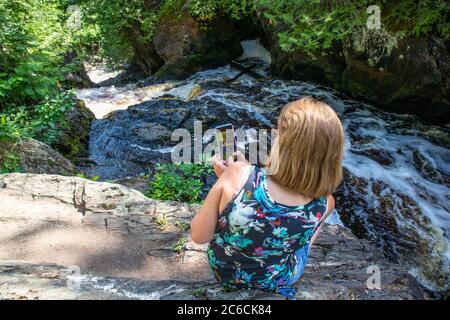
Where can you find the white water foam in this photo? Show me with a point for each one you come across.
(253, 49)
(114, 287)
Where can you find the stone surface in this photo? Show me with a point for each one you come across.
(73, 142)
(38, 157)
(78, 79)
(139, 183)
(128, 246)
(145, 54)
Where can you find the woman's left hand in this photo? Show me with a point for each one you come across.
(219, 165)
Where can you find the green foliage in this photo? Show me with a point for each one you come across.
(180, 245)
(310, 24)
(199, 292)
(420, 17)
(119, 28)
(10, 163)
(161, 221)
(314, 25)
(34, 40)
(43, 121)
(180, 182)
(183, 226)
(203, 9)
(85, 176)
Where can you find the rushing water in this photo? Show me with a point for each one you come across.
(396, 188)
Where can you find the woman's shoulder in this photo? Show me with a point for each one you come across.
(237, 168)
(236, 174)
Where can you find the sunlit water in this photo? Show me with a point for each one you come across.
(396, 166)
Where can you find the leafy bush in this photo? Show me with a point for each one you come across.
(314, 25)
(309, 24)
(10, 163)
(43, 121)
(34, 40)
(33, 43)
(119, 28)
(85, 176)
(180, 182)
(180, 245)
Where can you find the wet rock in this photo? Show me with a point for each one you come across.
(152, 131)
(130, 73)
(80, 78)
(368, 207)
(37, 157)
(73, 142)
(104, 241)
(380, 156)
(183, 67)
(127, 142)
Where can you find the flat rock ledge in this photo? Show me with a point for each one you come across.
(72, 238)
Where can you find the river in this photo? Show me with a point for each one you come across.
(396, 189)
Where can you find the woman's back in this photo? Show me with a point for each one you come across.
(257, 241)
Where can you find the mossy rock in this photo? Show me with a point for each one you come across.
(73, 142)
(32, 156)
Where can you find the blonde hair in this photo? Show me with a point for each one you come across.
(307, 153)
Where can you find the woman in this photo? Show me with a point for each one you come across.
(260, 226)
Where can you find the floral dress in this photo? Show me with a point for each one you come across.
(259, 243)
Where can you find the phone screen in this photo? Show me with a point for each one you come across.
(226, 140)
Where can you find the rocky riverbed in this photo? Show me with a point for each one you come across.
(396, 186)
(72, 238)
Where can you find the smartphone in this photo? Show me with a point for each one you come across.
(226, 140)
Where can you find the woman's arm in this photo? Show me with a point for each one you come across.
(330, 207)
(204, 222)
(203, 225)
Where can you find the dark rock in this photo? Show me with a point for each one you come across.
(152, 131)
(73, 142)
(129, 141)
(368, 207)
(183, 67)
(379, 156)
(77, 79)
(132, 73)
(145, 54)
(399, 73)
